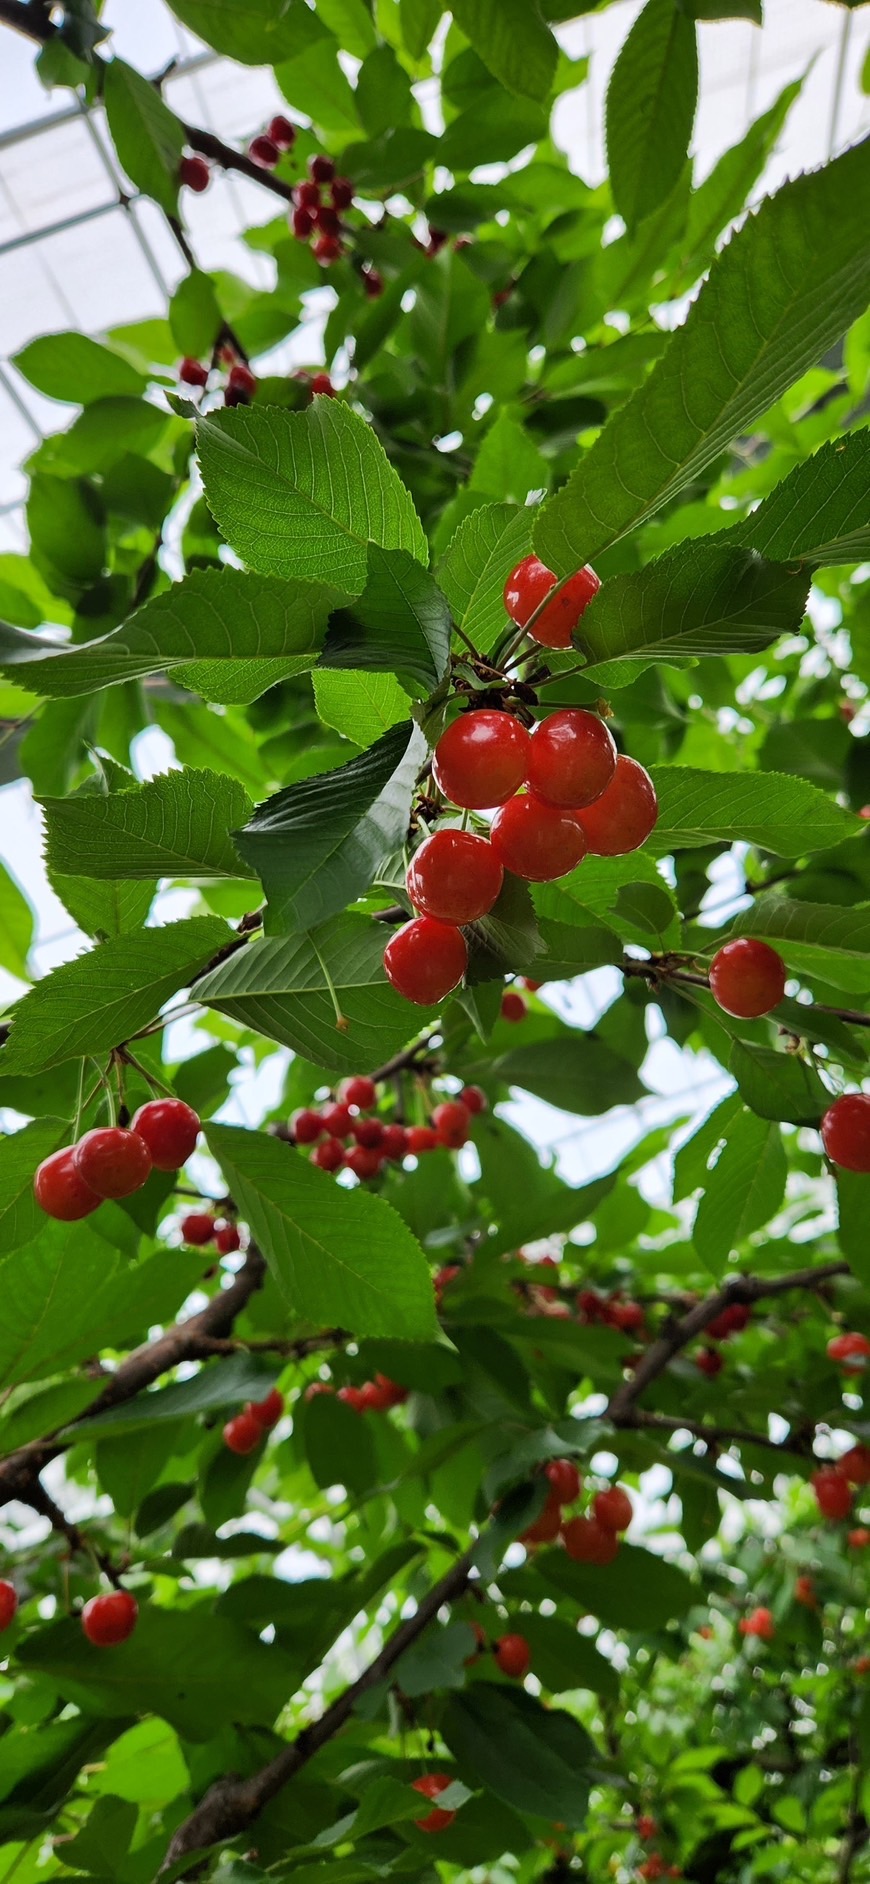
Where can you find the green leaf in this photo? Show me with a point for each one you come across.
(383, 96)
(360, 706)
(228, 635)
(650, 108)
(255, 33)
(319, 845)
(311, 77)
(512, 40)
(147, 136)
(302, 494)
(821, 511)
(824, 940)
(176, 825)
(787, 286)
(105, 908)
(527, 1200)
(67, 530)
(743, 1191)
(778, 813)
(484, 549)
(281, 988)
(637, 1591)
(419, 19)
(400, 624)
(535, 1759)
(778, 1085)
(615, 891)
(852, 1222)
(722, 195)
(106, 432)
(194, 314)
(341, 1258)
(579, 1073)
(77, 369)
(20, 1153)
(699, 598)
(89, 1005)
(214, 1389)
(509, 464)
(492, 130)
(198, 1671)
(16, 926)
(563, 1659)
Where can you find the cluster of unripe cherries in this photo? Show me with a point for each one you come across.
(344, 1139)
(115, 1160)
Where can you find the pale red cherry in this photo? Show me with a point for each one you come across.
(8, 1603)
(588, 1541)
(850, 1351)
(625, 814)
(572, 758)
(243, 1433)
(833, 1492)
(268, 1412)
(564, 1478)
(513, 1656)
(747, 978)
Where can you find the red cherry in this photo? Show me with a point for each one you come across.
(267, 1412)
(8, 1603)
(425, 960)
(861, 1665)
(748, 979)
(321, 168)
(527, 587)
(437, 239)
(60, 1190)
(454, 876)
(587, 1541)
(422, 1138)
(337, 1120)
(846, 1131)
(328, 1155)
(352, 1397)
(372, 1398)
(622, 818)
(513, 1007)
(731, 1320)
(565, 1480)
(573, 758)
(390, 1391)
(645, 1826)
(855, 1465)
(373, 283)
(107, 1620)
(198, 1227)
(546, 1526)
(359, 1091)
(307, 195)
(282, 132)
(326, 249)
(307, 1126)
(368, 1132)
(341, 191)
(709, 1362)
(113, 1161)
(858, 1539)
(474, 1099)
(170, 1129)
(628, 1316)
(264, 151)
(431, 1785)
(833, 1492)
(537, 841)
(322, 384)
(241, 379)
(451, 1121)
(302, 221)
(328, 220)
(316, 1387)
(613, 1509)
(481, 759)
(394, 1143)
(363, 1161)
(805, 1592)
(227, 1239)
(850, 1351)
(448, 1274)
(243, 1433)
(513, 1656)
(194, 173)
(760, 1623)
(193, 373)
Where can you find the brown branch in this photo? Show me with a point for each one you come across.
(39, 1500)
(231, 1805)
(229, 159)
(713, 1435)
(669, 970)
(29, 19)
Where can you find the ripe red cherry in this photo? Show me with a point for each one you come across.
(747, 978)
(545, 1528)
(198, 1227)
(368, 1132)
(513, 1655)
(227, 1239)
(282, 132)
(267, 1412)
(363, 1161)
(527, 587)
(730, 1321)
(193, 373)
(481, 759)
(113, 1161)
(858, 1539)
(445, 1276)
(328, 220)
(855, 1465)
(240, 379)
(454, 876)
(422, 1138)
(833, 1492)
(513, 1007)
(645, 1826)
(307, 195)
(850, 1351)
(8, 1603)
(572, 759)
(316, 1387)
(451, 1121)
(535, 840)
(565, 1480)
(474, 1099)
(431, 1785)
(307, 1126)
(759, 1623)
(613, 1509)
(264, 151)
(337, 1120)
(326, 249)
(623, 817)
(170, 1129)
(243, 1433)
(328, 1155)
(352, 1397)
(107, 1620)
(373, 283)
(425, 960)
(805, 1592)
(322, 384)
(321, 168)
(709, 1362)
(394, 1143)
(302, 221)
(341, 191)
(587, 1541)
(60, 1190)
(846, 1131)
(194, 173)
(359, 1091)
(628, 1316)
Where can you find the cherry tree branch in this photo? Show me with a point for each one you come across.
(231, 1805)
(41, 1501)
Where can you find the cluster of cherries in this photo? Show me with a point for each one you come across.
(374, 1396)
(201, 1227)
(247, 1430)
(344, 1139)
(316, 217)
(241, 381)
(730, 1321)
(593, 1538)
(105, 1620)
(835, 1485)
(115, 1160)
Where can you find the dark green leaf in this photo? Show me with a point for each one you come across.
(195, 315)
(147, 136)
(399, 625)
(820, 513)
(743, 1191)
(702, 598)
(484, 549)
(580, 1073)
(651, 103)
(177, 824)
(637, 1591)
(72, 367)
(778, 1085)
(513, 42)
(534, 1758)
(780, 814)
